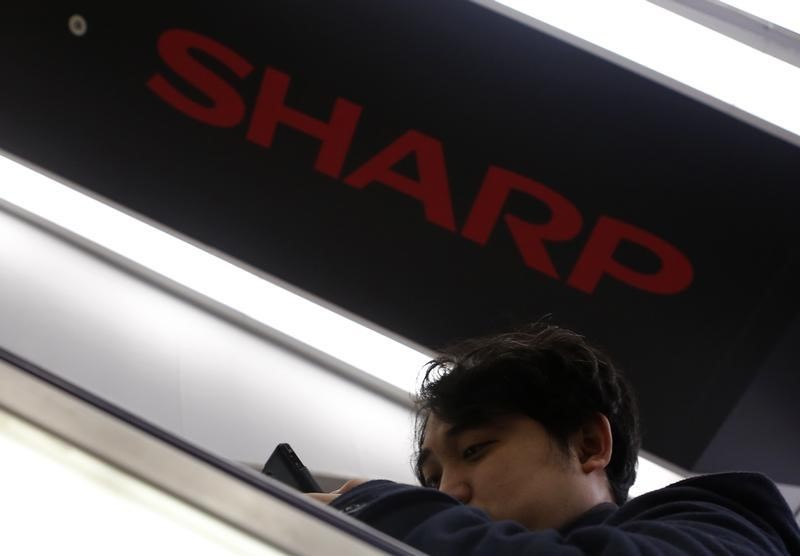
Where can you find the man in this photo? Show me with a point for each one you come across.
(527, 443)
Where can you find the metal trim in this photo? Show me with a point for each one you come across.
(761, 34)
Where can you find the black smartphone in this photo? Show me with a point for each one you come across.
(285, 466)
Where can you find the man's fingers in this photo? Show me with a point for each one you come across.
(328, 497)
(349, 485)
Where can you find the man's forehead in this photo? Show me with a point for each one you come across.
(438, 430)
(434, 428)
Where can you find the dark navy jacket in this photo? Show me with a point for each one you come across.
(715, 515)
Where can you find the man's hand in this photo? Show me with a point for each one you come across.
(328, 497)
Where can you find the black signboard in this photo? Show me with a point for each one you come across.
(436, 168)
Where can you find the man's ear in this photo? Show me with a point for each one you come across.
(593, 443)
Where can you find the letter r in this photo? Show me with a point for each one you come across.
(565, 220)
(597, 259)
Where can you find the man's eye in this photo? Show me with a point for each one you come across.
(432, 482)
(474, 450)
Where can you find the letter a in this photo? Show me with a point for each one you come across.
(432, 189)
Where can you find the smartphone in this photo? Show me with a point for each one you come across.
(285, 466)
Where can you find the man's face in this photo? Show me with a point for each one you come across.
(510, 467)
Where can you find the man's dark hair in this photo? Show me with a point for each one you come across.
(550, 374)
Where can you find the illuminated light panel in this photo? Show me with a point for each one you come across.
(785, 13)
(226, 283)
(651, 476)
(57, 498)
(211, 276)
(681, 49)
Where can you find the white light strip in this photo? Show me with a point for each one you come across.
(681, 49)
(215, 278)
(57, 499)
(785, 13)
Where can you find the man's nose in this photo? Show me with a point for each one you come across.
(457, 487)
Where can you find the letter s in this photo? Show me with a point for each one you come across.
(226, 108)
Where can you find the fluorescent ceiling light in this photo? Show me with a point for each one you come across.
(679, 48)
(211, 276)
(57, 498)
(785, 13)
